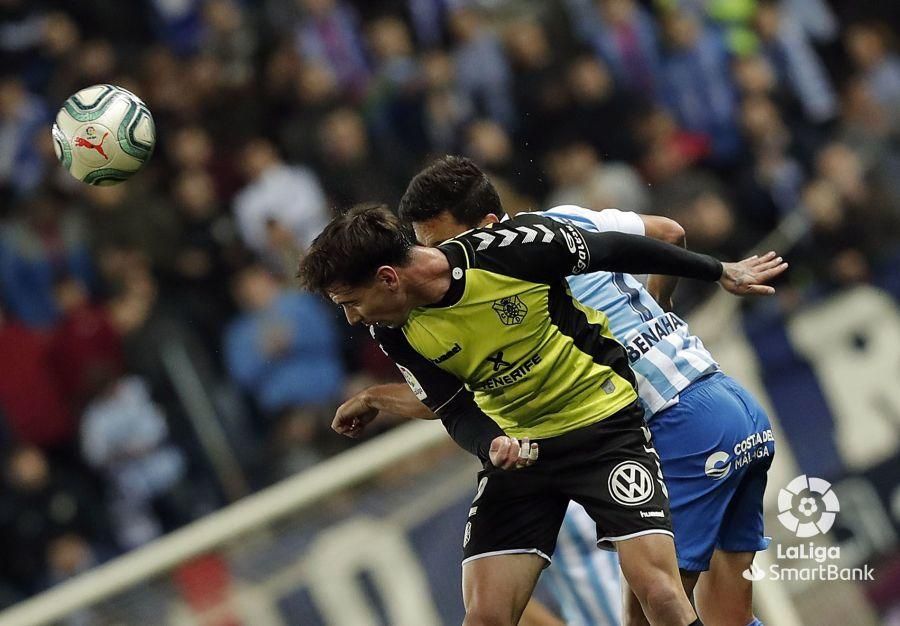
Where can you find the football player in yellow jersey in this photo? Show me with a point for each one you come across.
(484, 329)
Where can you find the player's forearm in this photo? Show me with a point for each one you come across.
(662, 286)
(469, 426)
(397, 399)
(632, 254)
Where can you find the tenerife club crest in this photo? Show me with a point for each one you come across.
(511, 311)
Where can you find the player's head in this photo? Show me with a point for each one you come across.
(449, 197)
(357, 262)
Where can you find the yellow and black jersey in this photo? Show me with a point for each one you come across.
(509, 334)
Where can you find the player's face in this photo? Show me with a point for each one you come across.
(378, 303)
(442, 227)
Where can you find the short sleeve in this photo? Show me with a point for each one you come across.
(607, 220)
(627, 222)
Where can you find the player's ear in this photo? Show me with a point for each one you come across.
(387, 276)
(490, 218)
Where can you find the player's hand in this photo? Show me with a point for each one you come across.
(507, 453)
(748, 277)
(352, 417)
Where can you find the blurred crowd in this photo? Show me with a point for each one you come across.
(156, 358)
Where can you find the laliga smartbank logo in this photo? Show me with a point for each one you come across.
(807, 507)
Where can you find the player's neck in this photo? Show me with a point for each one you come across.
(429, 276)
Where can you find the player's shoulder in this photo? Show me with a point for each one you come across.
(522, 229)
(608, 219)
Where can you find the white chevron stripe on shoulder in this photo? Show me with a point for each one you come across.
(548, 234)
(486, 240)
(508, 236)
(529, 233)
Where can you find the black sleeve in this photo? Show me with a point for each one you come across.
(441, 392)
(470, 428)
(537, 248)
(634, 254)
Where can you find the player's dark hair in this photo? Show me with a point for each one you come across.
(353, 246)
(453, 184)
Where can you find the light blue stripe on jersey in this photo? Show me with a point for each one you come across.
(665, 357)
(594, 560)
(584, 578)
(566, 587)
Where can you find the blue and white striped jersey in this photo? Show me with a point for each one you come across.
(664, 355)
(584, 579)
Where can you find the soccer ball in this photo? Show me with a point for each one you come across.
(103, 134)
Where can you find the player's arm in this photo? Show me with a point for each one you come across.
(443, 395)
(352, 417)
(662, 286)
(571, 250)
(477, 433)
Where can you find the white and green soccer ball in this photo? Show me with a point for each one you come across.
(103, 134)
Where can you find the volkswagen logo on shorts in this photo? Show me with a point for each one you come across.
(630, 484)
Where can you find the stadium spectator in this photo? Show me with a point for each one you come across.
(834, 258)
(755, 77)
(59, 39)
(482, 70)
(93, 62)
(699, 203)
(277, 193)
(84, 347)
(208, 242)
(44, 244)
(600, 112)
(489, 145)
(22, 33)
(160, 346)
(32, 403)
(429, 20)
(582, 179)
(228, 37)
(870, 48)
(283, 351)
(795, 60)
(771, 177)
(124, 437)
(665, 149)
(39, 504)
(351, 171)
(329, 32)
(447, 108)
(537, 82)
(282, 337)
(178, 24)
(697, 85)
(21, 114)
(396, 98)
(870, 199)
(867, 126)
(312, 93)
(625, 36)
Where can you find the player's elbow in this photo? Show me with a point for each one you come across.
(664, 229)
(672, 232)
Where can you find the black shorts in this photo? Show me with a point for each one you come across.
(610, 468)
